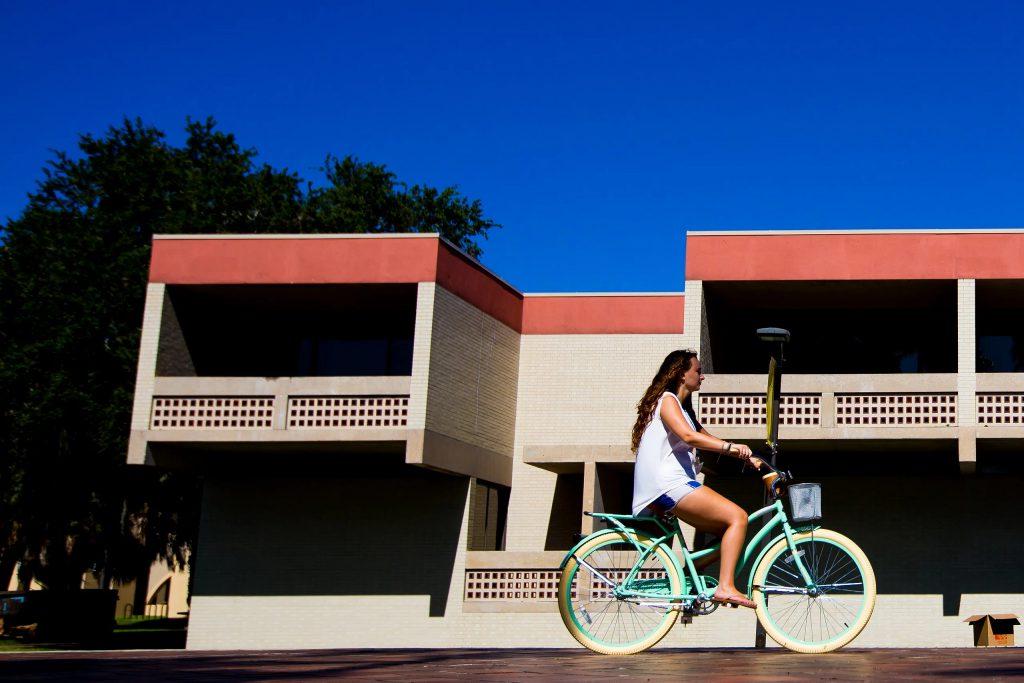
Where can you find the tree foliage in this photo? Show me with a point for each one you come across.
(73, 269)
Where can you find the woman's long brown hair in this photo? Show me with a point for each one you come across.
(668, 377)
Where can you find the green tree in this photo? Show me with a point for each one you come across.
(366, 197)
(73, 269)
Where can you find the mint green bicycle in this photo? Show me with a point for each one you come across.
(621, 590)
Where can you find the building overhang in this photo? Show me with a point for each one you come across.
(199, 450)
(254, 259)
(854, 255)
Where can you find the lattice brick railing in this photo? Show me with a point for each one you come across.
(599, 590)
(330, 412)
(212, 412)
(897, 410)
(1001, 409)
(515, 585)
(749, 409)
(538, 585)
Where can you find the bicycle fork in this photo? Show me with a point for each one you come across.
(795, 557)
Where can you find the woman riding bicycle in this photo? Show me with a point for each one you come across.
(666, 437)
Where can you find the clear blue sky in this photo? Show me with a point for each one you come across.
(596, 133)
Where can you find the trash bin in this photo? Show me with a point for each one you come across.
(993, 630)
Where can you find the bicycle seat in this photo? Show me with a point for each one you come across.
(665, 519)
(608, 515)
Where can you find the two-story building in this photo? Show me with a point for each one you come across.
(397, 446)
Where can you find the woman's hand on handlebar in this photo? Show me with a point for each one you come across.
(742, 451)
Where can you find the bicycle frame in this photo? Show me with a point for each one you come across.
(687, 568)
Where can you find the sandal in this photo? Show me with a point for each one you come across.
(733, 601)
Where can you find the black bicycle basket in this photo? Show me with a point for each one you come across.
(804, 503)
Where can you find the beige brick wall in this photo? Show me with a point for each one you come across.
(941, 549)
(966, 361)
(422, 338)
(472, 376)
(967, 375)
(574, 390)
(283, 563)
(344, 572)
(695, 334)
(316, 563)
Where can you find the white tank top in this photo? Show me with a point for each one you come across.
(663, 460)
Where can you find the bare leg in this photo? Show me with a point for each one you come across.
(707, 560)
(711, 512)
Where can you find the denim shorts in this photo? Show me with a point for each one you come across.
(667, 501)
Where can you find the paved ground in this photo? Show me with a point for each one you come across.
(516, 665)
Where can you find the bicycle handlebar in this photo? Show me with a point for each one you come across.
(782, 477)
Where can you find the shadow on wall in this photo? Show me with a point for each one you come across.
(923, 535)
(566, 511)
(393, 530)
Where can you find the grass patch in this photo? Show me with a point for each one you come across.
(12, 645)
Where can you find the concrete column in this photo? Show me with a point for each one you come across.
(423, 332)
(145, 375)
(967, 377)
(695, 330)
(694, 321)
(589, 496)
(696, 336)
(282, 388)
(828, 409)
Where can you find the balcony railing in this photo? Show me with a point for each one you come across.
(505, 581)
(812, 403)
(1001, 408)
(291, 403)
(858, 410)
(896, 410)
(212, 412)
(512, 585)
(749, 409)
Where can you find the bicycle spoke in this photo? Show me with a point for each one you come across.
(808, 617)
(611, 621)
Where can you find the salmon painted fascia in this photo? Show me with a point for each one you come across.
(603, 314)
(375, 259)
(904, 255)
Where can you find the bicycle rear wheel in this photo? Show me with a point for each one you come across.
(592, 613)
(814, 623)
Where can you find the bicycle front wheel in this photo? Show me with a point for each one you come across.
(599, 620)
(822, 621)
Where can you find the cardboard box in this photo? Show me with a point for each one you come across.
(993, 630)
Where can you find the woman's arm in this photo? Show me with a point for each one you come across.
(672, 416)
(755, 461)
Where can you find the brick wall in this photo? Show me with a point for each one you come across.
(941, 549)
(574, 390)
(472, 376)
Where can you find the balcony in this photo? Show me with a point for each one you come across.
(869, 406)
(1000, 405)
(254, 409)
(504, 582)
